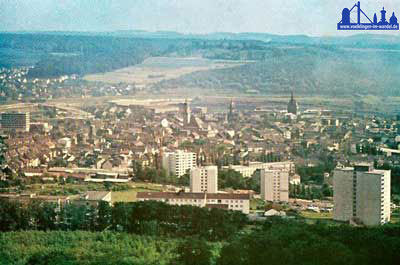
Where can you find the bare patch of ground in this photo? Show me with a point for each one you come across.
(156, 69)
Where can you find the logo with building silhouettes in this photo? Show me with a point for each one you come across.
(363, 22)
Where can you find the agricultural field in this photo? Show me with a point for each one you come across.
(156, 69)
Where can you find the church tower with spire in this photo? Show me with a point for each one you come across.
(292, 107)
(230, 113)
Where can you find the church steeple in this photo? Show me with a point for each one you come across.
(292, 105)
(230, 113)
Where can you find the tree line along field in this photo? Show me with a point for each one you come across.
(157, 233)
(306, 70)
(317, 67)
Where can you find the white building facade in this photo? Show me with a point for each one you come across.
(204, 179)
(179, 162)
(234, 202)
(19, 121)
(248, 171)
(275, 185)
(361, 194)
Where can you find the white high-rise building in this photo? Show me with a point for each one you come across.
(361, 194)
(179, 162)
(19, 121)
(186, 113)
(204, 179)
(275, 185)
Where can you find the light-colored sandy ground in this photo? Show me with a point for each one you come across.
(155, 69)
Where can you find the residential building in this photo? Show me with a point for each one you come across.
(361, 194)
(275, 185)
(248, 171)
(179, 162)
(94, 198)
(235, 202)
(186, 113)
(204, 179)
(19, 121)
(284, 165)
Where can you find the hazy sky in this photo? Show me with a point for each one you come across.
(311, 17)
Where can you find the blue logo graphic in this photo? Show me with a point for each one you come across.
(347, 23)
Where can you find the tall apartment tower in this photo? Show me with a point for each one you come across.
(19, 121)
(179, 162)
(275, 185)
(361, 194)
(92, 132)
(186, 113)
(204, 179)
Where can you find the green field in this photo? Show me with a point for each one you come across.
(123, 196)
(314, 215)
(130, 195)
(395, 218)
(125, 192)
(256, 203)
